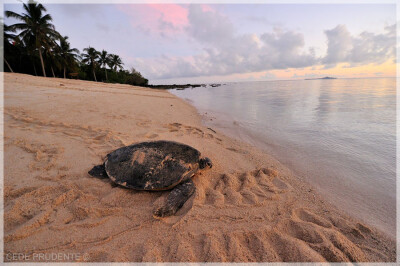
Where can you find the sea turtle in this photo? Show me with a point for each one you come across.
(155, 165)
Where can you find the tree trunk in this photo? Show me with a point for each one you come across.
(106, 74)
(94, 74)
(64, 72)
(41, 60)
(34, 68)
(10, 66)
(52, 70)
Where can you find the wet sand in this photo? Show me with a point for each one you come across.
(246, 208)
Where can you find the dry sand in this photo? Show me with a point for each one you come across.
(246, 208)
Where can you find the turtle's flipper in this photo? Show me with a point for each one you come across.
(98, 171)
(175, 199)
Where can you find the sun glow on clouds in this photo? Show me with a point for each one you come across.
(159, 18)
(277, 54)
(171, 13)
(387, 69)
(156, 18)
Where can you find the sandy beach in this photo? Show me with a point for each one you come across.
(247, 208)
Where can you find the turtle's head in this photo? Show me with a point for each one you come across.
(98, 171)
(205, 162)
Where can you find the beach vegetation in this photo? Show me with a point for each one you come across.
(8, 46)
(68, 56)
(34, 29)
(104, 61)
(34, 41)
(115, 62)
(90, 57)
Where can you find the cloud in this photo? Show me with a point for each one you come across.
(358, 50)
(174, 14)
(284, 50)
(339, 45)
(224, 51)
(209, 27)
(162, 19)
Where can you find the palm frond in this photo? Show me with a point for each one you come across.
(17, 26)
(11, 14)
(46, 18)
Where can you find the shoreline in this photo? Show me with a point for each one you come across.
(242, 134)
(347, 182)
(249, 207)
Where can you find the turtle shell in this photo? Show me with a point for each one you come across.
(156, 165)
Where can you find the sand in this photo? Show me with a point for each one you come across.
(246, 208)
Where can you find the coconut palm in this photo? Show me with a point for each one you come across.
(115, 62)
(51, 54)
(34, 24)
(8, 38)
(16, 47)
(90, 57)
(28, 46)
(68, 56)
(104, 60)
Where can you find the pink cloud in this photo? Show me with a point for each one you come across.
(172, 13)
(207, 8)
(161, 18)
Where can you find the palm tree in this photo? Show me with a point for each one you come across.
(51, 52)
(104, 60)
(115, 62)
(68, 56)
(91, 57)
(28, 46)
(8, 38)
(34, 24)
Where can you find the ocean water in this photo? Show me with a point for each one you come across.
(339, 135)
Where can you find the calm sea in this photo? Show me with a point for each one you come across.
(339, 135)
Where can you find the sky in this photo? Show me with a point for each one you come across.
(204, 43)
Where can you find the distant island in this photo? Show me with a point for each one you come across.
(322, 78)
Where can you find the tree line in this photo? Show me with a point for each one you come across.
(33, 46)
